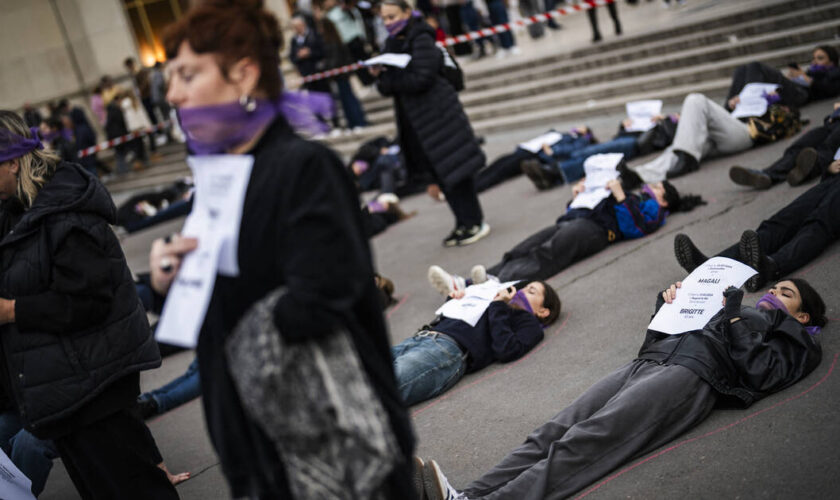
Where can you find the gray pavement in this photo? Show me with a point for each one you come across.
(783, 447)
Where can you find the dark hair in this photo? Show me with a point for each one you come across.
(812, 303)
(55, 123)
(684, 203)
(551, 301)
(232, 30)
(129, 61)
(402, 4)
(831, 52)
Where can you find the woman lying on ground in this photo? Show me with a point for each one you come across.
(582, 232)
(742, 355)
(436, 357)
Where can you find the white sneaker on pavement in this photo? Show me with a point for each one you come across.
(437, 486)
(444, 282)
(478, 274)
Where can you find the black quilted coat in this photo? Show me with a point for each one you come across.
(434, 132)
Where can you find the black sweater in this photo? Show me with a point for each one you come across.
(501, 334)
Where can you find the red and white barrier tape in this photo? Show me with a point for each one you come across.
(475, 35)
(119, 140)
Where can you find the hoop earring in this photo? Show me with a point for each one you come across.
(248, 103)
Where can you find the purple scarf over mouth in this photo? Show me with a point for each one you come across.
(219, 128)
(769, 302)
(14, 146)
(521, 301)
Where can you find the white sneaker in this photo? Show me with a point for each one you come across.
(502, 53)
(478, 274)
(445, 283)
(336, 132)
(515, 50)
(437, 486)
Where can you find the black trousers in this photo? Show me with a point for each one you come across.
(791, 94)
(505, 167)
(115, 457)
(825, 140)
(593, 20)
(462, 199)
(549, 251)
(357, 49)
(799, 232)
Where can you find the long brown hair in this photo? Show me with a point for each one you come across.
(232, 30)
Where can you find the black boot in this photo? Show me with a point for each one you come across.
(806, 160)
(541, 177)
(750, 177)
(685, 164)
(688, 256)
(753, 256)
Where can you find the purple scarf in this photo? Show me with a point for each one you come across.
(769, 302)
(396, 27)
(219, 128)
(519, 300)
(14, 146)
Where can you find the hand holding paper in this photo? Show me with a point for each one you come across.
(699, 297)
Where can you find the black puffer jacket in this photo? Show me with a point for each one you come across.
(762, 353)
(52, 375)
(433, 129)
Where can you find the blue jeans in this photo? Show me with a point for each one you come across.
(181, 390)
(572, 169)
(498, 15)
(427, 365)
(31, 455)
(353, 112)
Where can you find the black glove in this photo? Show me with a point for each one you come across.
(732, 307)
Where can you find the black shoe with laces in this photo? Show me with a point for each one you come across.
(452, 239)
(688, 256)
(147, 407)
(753, 256)
(750, 177)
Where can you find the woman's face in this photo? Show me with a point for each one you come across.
(788, 294)
(535, 293)
(197, 80)
(392, 13)
(8, 179)
(821, 58)
(659, 193)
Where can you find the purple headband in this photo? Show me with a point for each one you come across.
(14, 146)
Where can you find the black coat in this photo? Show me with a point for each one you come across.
(301, 228)
(824, 84)
(80, 329)
(762, 353)
(434, 131)
(313, 63)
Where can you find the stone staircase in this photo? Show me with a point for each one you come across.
(666, 63)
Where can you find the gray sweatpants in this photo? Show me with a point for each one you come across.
(705, 129)
(635, 409)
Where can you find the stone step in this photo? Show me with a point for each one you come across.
(807, 36)
(765, 36)
(633, 42)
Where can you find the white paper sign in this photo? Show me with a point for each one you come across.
(701, 296)
(751, 99)
(389, 59)
(837, 154)
(220, 185)
(13, 484)
(641, 114)
(535, 145)
(599, 169)
(476, 300)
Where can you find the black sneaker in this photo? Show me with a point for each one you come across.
(452, 239)
(472, 234)
(688, 256)
(750, 177)
(685, 164)
(533, 169)
(806, 160)
(753, 256)
(147, 407)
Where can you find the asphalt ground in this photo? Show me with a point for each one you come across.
(785, 446)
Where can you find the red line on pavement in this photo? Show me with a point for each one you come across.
(711, 433)
(501, 369)
(398, 305)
